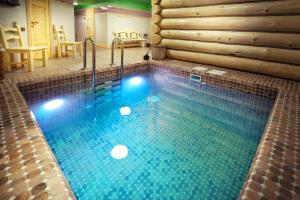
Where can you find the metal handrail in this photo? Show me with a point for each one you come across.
(122, 55)
(93, 60)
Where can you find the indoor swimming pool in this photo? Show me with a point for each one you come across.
(154, 135)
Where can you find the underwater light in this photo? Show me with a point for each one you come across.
(135, 80)
(154, 99)
(125, 110)
(53, 104)
(119, 152)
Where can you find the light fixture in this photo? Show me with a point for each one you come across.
(119, 152)
(135, 80)
(53, 104)
(153, 99)
(125, 111)
(75, 3)
(103, 8)
(109, 6)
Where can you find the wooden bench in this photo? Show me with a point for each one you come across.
(130, 38)
(12, 36)
(63, 44)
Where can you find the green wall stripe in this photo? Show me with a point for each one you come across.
(144, 5)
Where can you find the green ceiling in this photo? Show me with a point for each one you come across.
(144, 5)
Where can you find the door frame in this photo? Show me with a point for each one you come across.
(29, 33)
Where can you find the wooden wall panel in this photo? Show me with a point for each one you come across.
(262, 53)
(262, 23)
(270, 68)
(251, 35)
(192, 3)
(246, 9)
(281, 40)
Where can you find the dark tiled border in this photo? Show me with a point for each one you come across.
(29, 169)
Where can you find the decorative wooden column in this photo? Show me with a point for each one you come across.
(90, 23)
(155, 25)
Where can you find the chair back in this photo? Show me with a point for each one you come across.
(127, 35)
(11, 35)
(59, 34)
(121, 35)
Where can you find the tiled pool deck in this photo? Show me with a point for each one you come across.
(28, 168)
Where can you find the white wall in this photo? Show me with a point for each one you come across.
(80, 27)
(119, 22)
(108, 23)
(10, 14)
(101, 28)
(61, 14)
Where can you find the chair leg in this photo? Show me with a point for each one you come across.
(66, 50)
(7, 64)
(30, 61)
(59, 50)
(74, 50)
(22, 60)
(81, 49)
(45, 58)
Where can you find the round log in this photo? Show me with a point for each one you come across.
(263, 23)
(192, 3)
(261, 53)
(282, 40)
(269, 68)
(246, 9)
(155, 1)
(156, 38)
(155, 28)
(156, 9)
(156, 18)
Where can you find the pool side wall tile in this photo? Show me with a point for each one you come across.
(28, 168)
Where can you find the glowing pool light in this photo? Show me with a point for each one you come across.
(135, 80)
(119, 152)
(125, 110)
(53, 104)
(154, 99)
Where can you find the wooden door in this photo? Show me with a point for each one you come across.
(38, 23)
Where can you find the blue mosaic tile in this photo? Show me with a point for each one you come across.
(185, 140)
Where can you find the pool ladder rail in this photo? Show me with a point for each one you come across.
(122, 55)
(94, 81)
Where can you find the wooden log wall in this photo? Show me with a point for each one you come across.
(252, 35)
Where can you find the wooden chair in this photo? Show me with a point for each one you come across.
(12, 35)
(63, 44)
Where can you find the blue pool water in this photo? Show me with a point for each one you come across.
(154, 137)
